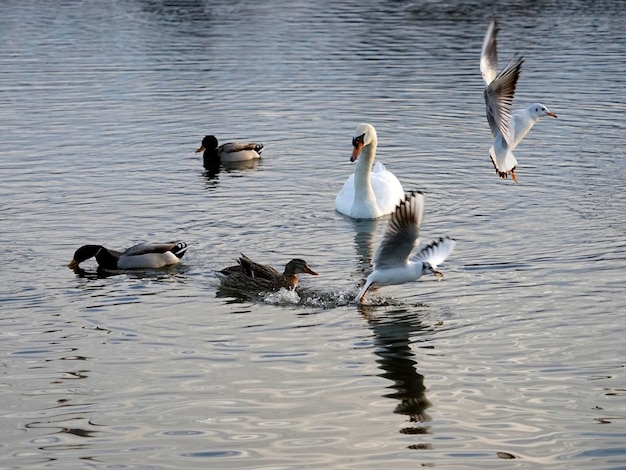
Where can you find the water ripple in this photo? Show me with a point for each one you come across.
(516, 355)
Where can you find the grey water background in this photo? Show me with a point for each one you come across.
(514, 360)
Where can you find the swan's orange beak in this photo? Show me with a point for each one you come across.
(73, 264)
(551, 114)
(200, 149)
(358, 146)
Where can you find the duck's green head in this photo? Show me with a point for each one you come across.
(208, 143)
(84, 253)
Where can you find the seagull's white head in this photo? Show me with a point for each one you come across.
(538, 110)
(428, 269)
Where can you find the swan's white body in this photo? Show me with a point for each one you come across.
(392, 264)
(508, 127)
(371, 191)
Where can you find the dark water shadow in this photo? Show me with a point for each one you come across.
(234, 169)
(394, 333)
(165, 273)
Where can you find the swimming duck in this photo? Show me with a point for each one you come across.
(251, 275)
(368, 193)
(392, 264)
(508, 127)
(143, 255)
(229, 152)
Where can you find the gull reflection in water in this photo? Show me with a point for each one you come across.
(393, 335)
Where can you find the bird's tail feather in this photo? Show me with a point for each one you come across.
(505, 164)
(179, 249)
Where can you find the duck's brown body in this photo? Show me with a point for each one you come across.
(251, 275)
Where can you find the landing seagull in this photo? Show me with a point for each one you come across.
(391, 261)
(508, 127)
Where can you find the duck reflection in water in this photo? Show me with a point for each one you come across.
(393, 335)
(214, 168)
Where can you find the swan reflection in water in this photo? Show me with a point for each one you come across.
(365, 232)
(393, 335)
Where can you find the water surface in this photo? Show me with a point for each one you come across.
(517, 355)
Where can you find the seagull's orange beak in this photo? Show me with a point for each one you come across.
(551, 114)
(200, 149)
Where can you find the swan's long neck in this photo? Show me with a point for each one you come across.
(363, 192)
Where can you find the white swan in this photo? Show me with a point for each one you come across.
(368, 193)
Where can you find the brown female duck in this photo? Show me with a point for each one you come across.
(251, 275)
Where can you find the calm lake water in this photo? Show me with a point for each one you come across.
(515, 360)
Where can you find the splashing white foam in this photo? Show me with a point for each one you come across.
(283, 296)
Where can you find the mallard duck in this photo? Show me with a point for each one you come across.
(251, 275)
(229, 152)
(508, 127)
(143, 255)
(368, 193)
(391, 261)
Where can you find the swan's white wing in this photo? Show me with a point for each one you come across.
(489, 54)
(387, 188)
(345, 197)
(436, 253)
(401, 233)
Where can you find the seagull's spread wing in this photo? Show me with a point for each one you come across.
(499, 97)
(489, 54)
(499, 87)
(436, 253)
(401, 233)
